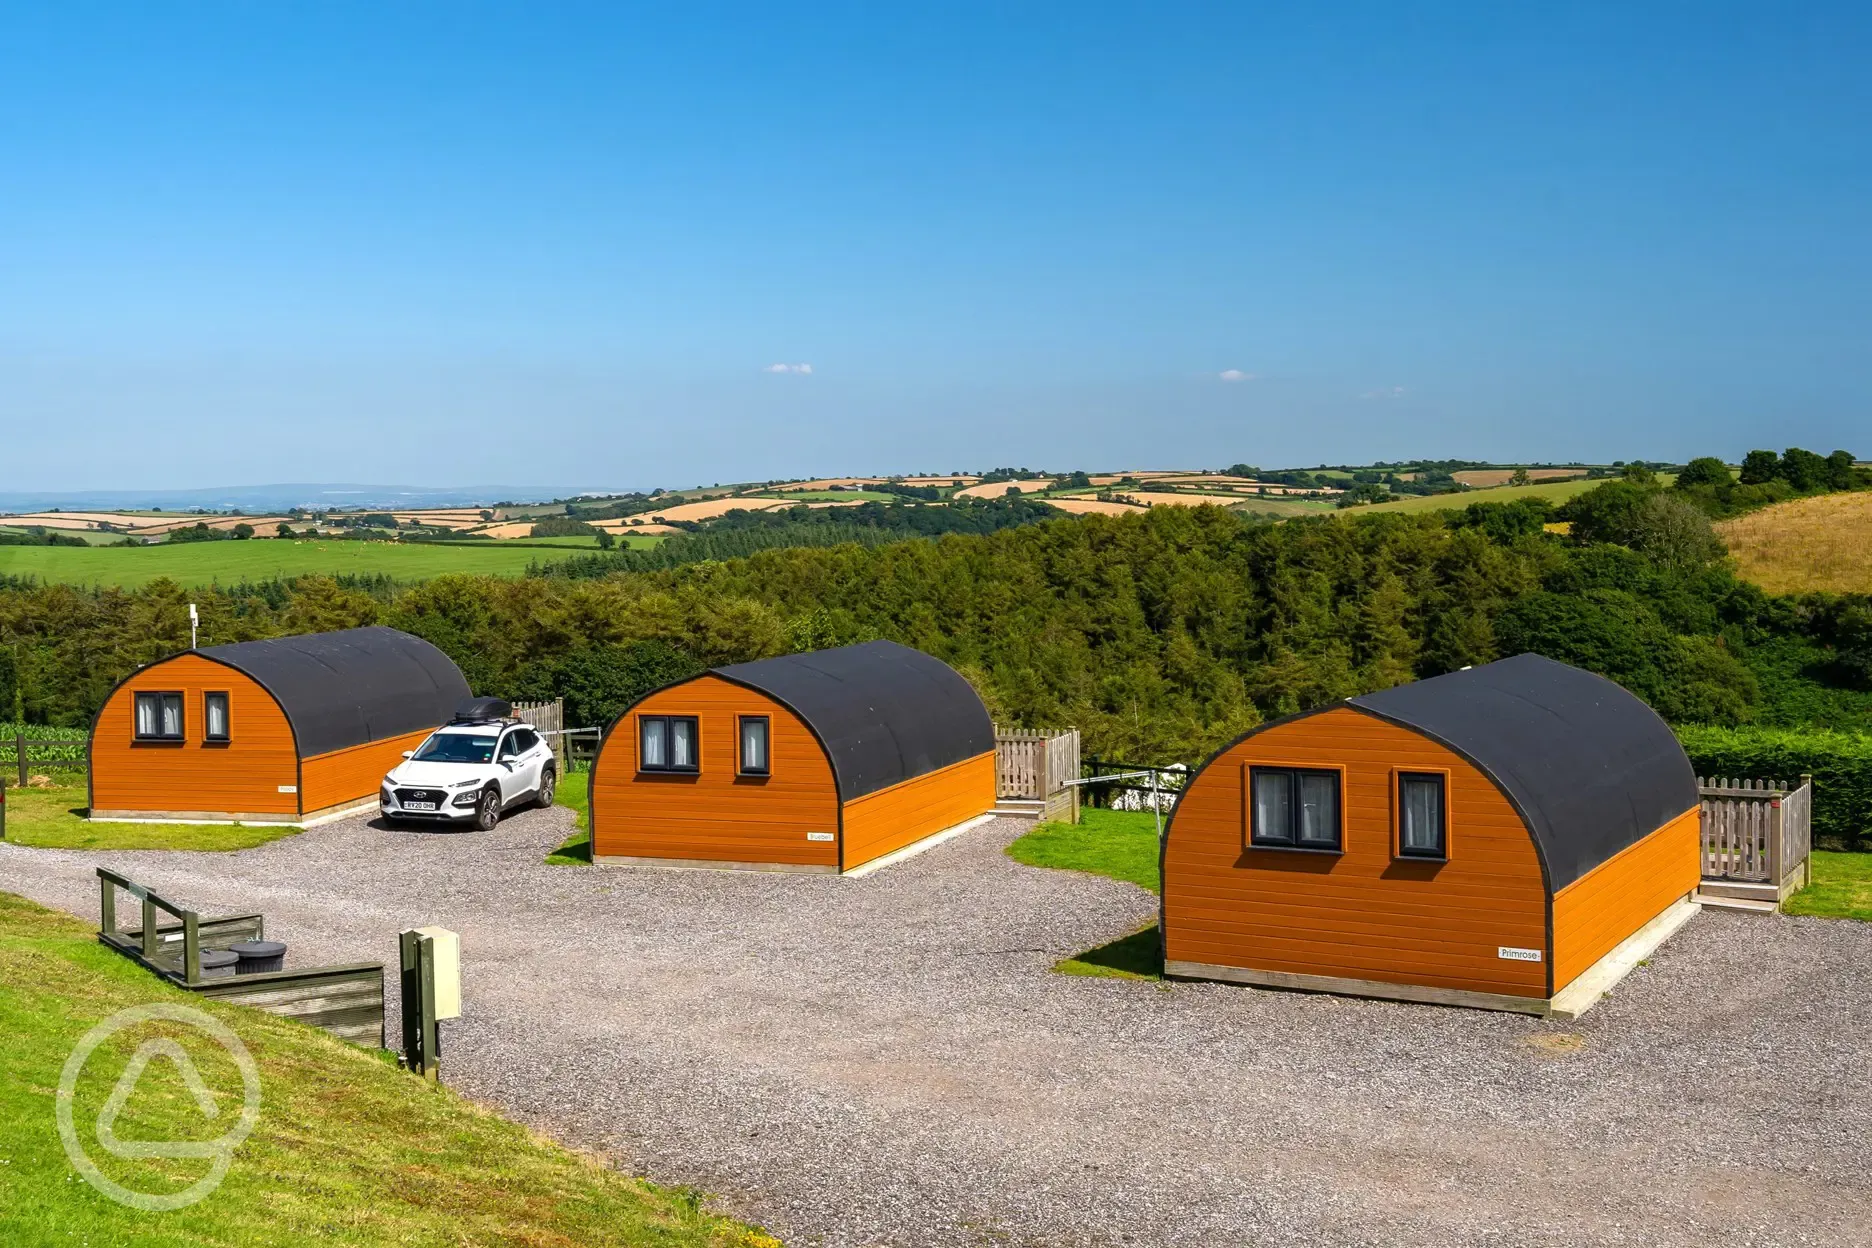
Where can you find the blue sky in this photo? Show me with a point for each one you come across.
(565, 244)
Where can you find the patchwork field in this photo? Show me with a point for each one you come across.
(1822, 543)
(1482, 478)
(999, 489)
(206, 563)
(1552, 491)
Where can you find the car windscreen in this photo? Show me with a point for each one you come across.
(456, 747)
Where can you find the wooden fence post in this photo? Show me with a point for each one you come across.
(19, 754)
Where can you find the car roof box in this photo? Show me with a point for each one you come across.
(475, 710)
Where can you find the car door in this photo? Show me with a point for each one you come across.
(513, 778)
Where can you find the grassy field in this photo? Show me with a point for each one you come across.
(347, 1148)
(1552, 491)
(830, 496)
(1841, 888)
(1822, 543)
(86, 536)
(1118, 844)
(53, 819)
(203, 563)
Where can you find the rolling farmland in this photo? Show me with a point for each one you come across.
(1552, 491)
(206, 563)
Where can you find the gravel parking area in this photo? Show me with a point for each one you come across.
(890, 1060)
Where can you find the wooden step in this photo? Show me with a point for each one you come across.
(1737, 903)
(1019, 807)
(1741, 890)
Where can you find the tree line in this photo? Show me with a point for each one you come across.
(1161, 635)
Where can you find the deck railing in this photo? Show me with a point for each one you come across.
(1756, 830)
(1034, 764)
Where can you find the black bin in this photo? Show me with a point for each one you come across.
(258, 955)
(217, 963)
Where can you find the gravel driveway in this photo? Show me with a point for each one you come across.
(889, 1060)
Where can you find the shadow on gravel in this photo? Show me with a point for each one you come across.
(1137, 956)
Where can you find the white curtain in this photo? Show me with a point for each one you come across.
(754, 745)
(653, 752)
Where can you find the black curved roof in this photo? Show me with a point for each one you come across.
(347, 688)
(884, 712)
(1591, 768)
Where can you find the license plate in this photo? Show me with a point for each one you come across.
(418, 805)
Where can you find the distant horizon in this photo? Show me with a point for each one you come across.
(273, 496)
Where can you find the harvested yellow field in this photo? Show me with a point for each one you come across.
(1481, 478)
(634, 524)
(509, 529)
(1822, 543)
(1093, 507)
(960, 478)
(710, 508)
(1159, 498)
(1000, 488)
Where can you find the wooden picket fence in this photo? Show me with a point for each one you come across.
(1756, 830)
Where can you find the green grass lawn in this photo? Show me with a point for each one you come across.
(1841, 888)
(203, 563)
(1118, 844)
(54, 819)
(347, 1148)
(574, 793)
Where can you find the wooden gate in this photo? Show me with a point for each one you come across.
(1756, 830)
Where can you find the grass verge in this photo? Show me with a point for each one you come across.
(1120, 844)
(54, 819)
(347, 1148)
(1117, 844)
(1841, 888)
(574, 793)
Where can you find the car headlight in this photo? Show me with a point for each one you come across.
(464, 784)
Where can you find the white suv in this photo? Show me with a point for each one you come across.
(473, 769)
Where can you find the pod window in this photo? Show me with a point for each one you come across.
(1423, 817)
(754, 756)
(667, 743)
(1294, 808)
(159, 717)
(215, 717)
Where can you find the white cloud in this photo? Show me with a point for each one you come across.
(1235, 374)
(789, 368)
(1384, 392)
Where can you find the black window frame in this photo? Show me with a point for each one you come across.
(227, 717)
(1441, 779)
(165, 738)
(741, 767)
(695, 738)
(1292, 841)
(523, 734)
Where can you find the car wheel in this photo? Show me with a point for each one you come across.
(548, 782)
(487, 814)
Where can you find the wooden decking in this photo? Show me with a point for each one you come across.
(347, 1001)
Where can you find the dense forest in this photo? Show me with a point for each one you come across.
(1159, 634)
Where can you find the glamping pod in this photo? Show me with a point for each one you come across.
(811, 762)
(277, 731)
(1485, 838)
